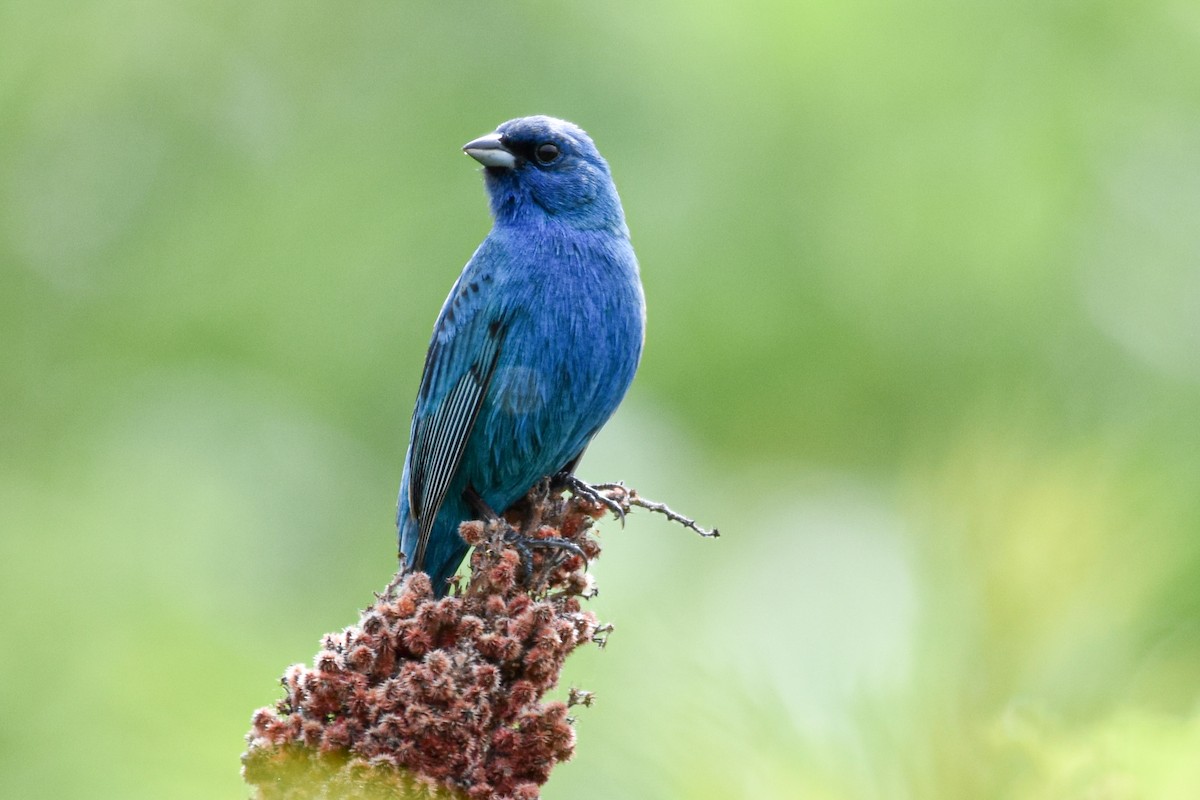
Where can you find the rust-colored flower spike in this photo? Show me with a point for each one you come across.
(438, 698)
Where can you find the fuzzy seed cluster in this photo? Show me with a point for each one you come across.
(443, 697)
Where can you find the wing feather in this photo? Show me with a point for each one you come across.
(439, 436)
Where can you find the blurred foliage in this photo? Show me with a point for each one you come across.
(298, 773)
(923, 341)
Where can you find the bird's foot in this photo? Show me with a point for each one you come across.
(598, 494)
(526, 545)
(619, 499)
(524, 540)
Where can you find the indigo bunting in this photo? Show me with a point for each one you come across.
(534, 347)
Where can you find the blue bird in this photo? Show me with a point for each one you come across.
(534, 347)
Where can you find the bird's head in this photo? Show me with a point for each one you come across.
(542, 169)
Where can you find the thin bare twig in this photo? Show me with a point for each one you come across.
(630, 497)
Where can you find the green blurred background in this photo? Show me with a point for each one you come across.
(924, 341)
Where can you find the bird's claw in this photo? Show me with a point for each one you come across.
(596, 495)
(525, 545)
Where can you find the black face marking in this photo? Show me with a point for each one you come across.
(542, 152)
(522, 150)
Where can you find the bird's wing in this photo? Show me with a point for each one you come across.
(458, 369)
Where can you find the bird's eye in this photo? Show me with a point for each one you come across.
(546, 152)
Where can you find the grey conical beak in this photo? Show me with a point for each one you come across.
(488, 150)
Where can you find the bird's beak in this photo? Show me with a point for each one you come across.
(488, 150)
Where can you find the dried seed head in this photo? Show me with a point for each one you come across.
(445, 696)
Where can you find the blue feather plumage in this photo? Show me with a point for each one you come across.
(535, 346)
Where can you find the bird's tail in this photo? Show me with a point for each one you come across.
(445, 549)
